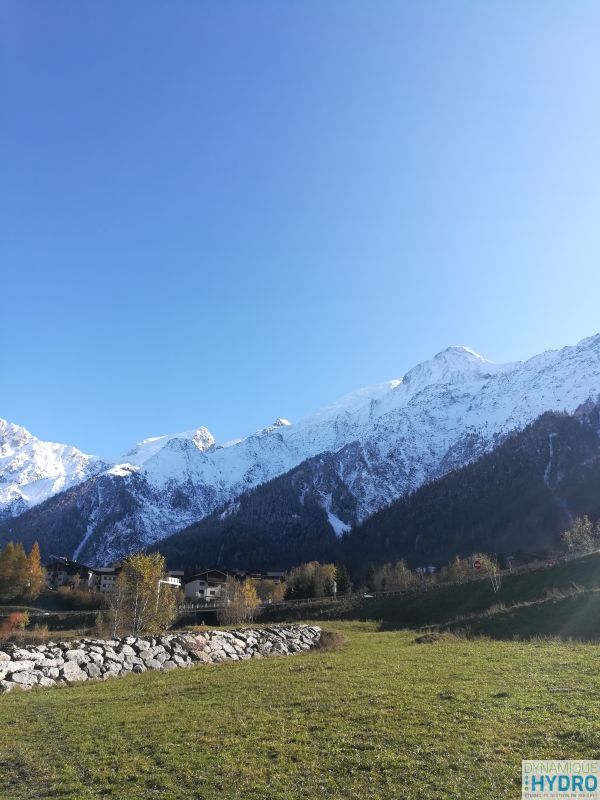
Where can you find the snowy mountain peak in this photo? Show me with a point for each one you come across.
(202, 438)
(32, 470)
(457, 354)
(11, 435)
(280, 422)
(148, 448)
(454, 365)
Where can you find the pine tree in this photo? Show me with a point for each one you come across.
(342, 579)
(36, 575)
(371, 578)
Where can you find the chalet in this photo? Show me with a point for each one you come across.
(206, 586)
(107, 577)
(66, 572)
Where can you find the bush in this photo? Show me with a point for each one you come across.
(9, 626)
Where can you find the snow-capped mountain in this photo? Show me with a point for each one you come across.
(386, 440)
(32, 470)
(520, 496)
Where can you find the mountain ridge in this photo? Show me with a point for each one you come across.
(520, 496)
(386, 440)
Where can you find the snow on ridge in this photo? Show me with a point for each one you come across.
(148, 448)
(387, 439)
(280, 422)
(31, 470)
(122, 470)
(349, 403)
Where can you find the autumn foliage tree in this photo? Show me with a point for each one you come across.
(35, 573)
(13, 623)
(21, 576)
(310, 580)
(239, 601)
(393, 577)
(488, 565)
(7, 560)
(269, 591)
(141, 601)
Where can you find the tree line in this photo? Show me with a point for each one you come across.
(399, 577)
(316, 580)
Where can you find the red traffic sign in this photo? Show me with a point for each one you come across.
(477, 564)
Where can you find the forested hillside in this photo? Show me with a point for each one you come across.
(519, 497)
(277, 525)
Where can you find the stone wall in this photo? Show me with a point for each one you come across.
(86, 659)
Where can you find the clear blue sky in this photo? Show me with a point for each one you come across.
(215, 213)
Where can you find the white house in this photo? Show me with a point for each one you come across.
(205, 586)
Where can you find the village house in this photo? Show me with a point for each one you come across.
(207, 586)
(65, 572)
(204, 587)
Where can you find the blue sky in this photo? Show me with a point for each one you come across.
(219, 213)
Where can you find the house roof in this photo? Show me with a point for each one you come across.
(207, 573)
(68, 565)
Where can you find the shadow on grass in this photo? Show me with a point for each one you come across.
(572, 617)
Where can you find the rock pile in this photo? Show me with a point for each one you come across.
(85, 659)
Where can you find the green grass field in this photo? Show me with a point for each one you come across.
(379, 717)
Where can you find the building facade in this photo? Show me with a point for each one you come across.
(65, 572)
(206, 587)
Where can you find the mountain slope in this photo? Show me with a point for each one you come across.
(292, 518)
(386, 441)
(32, 470)
(521, 496)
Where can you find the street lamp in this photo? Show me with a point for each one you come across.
(160, 580)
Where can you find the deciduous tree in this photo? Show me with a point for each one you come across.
(141, 602)
(239, 601)
(36, 577)
(583, 536)
(310, 580)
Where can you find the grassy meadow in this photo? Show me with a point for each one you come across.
(378, 717)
